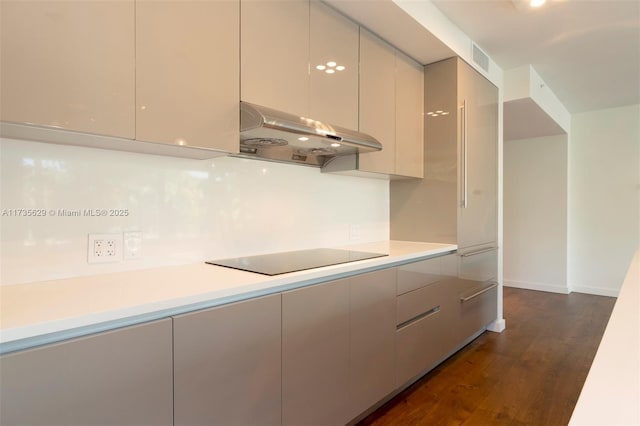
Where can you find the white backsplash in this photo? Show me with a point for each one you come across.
(188, 211)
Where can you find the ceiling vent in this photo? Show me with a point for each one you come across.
(480, 58)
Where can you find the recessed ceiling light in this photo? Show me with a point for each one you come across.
(330, 71)
(536, 3)
(331, 64)
(320, 67)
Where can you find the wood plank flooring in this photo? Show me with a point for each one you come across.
(531, 374)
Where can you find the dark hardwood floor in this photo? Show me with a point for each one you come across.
(530, 374)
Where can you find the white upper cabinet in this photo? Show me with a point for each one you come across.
(333, 53)
(69, 64)
(188, 72)
(275, 54)
(391, 105)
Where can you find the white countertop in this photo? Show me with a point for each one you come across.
(44, 312)
(611, 393)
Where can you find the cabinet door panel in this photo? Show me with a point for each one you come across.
(315, 355)
(377, 101)
(121, 377)
(275, 54)
(333, 94)
(372, 342)
(227, 364)
(409, 117)
(477, 222)
(69, 64)
(187, 72)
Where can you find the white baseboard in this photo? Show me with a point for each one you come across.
(497, 326)
(598, 291)
(537, 286)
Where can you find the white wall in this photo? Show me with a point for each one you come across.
(535, 213)
(604, 198)
(188, 210)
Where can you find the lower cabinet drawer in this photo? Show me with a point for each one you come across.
(417, 303)
(420, 345)
(478, 307)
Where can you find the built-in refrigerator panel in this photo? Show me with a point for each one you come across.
(456, 202)
(478, 167)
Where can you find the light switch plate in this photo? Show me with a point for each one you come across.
(132, 245)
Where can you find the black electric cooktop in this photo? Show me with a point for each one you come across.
(292, 261)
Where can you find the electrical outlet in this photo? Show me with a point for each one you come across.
(104, 248)
(132, 245)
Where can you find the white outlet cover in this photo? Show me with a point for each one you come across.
(132, 245)
(104, 248)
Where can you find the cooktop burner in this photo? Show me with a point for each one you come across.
(292, 261)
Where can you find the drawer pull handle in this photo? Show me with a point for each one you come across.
(473, 253)
(464, 298)
(431, 311)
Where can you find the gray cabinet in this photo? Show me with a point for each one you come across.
(69, 64)
(338, 348)
(426, 315)
(301, 57)
(227, 364)
(391, 103)
(477, 291)
(372, 301)
(456, 202)
(478, 175)
(274, 49)
(188, 82)
(315, 355)
(441, 304)
(120, 377)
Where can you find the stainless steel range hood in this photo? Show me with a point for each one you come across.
(268, 134)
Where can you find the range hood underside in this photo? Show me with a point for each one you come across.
(272, 135)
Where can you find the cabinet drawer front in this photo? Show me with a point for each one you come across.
(481, 265)
(418, 302)
(478, 307)
(419, 274)
(419, 346)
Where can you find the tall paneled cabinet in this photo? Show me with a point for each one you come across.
(456, 202)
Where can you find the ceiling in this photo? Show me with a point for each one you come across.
(587, 51)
